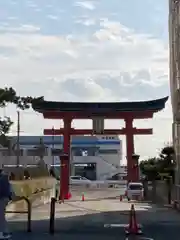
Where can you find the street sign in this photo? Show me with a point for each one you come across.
(98, 125)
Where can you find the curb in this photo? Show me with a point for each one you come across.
(174, 205)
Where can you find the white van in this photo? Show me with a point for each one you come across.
(135, 190)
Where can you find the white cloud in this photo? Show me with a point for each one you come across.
(53, 17)
(32, 4)
(111, 50)
(86, 22)
(12, 18)
(86, 4)
(113, 64)
(23, 28)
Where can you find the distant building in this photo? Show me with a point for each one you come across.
(95, 157)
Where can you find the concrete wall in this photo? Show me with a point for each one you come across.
(158, 192)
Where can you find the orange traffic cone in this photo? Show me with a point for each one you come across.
(83, 198)
(133, 227)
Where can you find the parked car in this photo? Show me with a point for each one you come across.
(135, 190)
(80, 181)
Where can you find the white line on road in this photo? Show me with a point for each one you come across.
(139, 238)
(115, 225)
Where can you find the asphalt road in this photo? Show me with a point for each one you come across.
(101, 215)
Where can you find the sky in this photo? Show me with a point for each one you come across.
(97, 50)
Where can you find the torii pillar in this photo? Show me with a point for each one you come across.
(65, 161)
(132, 166)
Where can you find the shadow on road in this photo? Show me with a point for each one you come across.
(157, 223)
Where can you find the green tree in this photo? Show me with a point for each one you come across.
(161, 167)
(167, 156)
(9, 96)
(5, 125)
(167, 161)
(150, 168)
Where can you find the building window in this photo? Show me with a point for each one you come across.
(108, 151)
(107, 137)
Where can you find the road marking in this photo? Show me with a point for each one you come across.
(145, 238)
(140, 238)
(118, 225)
(114, 225)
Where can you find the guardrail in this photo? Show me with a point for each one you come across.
(100, 184)
(28, 212)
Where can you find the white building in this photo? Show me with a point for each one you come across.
(96, 157)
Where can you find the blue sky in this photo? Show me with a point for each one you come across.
(87, 51)
(148, 16)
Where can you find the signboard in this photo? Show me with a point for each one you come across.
(98, 125)
(80, 164)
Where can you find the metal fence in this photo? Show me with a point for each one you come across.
(28, 211)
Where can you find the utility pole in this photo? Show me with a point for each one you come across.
(18, 133)
(174, 41)
(52, 148)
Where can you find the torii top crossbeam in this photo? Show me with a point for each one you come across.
(112, 110)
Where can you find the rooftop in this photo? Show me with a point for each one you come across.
(96, 107)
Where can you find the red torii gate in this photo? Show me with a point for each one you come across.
(69, 111)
